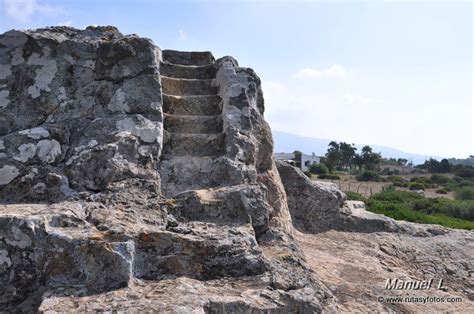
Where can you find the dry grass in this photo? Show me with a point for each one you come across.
(349, 183)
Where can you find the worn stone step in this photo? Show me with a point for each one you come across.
(198, 145)
(193, 124)
(188, 57)
(183, 87)
(188, 71)
(184, 173)
(200, 105)
(199, 250)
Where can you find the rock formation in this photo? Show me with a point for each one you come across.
(134, 178)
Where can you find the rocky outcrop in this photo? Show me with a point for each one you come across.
(81, 112)
(127, 169)
(139, 179)
(354, 252)
(318, 206)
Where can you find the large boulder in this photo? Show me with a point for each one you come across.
(126, 170)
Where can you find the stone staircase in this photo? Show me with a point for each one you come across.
(192, 108)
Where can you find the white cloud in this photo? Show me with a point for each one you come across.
(183, 35)
(351, 99)
(24, 10)
(335, 71)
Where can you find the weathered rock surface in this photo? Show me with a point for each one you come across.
(127, 170)
(353, 251)
(355, 267)
(139, 179)
(81, 111)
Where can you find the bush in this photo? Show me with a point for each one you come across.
(422, 180)
(439, 179)
(465, 193)
(465, 172)
(416, 186)
(459, 209)
(392, 196)
(404, 205)
(398, 181)
(353, 196)
(441, 191)
(319, 169)
(329, 177)
(368, 176)
(403, 212)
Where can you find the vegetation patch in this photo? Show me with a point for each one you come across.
(409, 206)
(368, 175)
(353, 196)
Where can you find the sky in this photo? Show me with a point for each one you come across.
(393, 73)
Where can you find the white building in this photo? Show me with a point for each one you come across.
(309, 160)
(301, 161)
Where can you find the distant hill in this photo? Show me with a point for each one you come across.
(286, 142)
(467, 162)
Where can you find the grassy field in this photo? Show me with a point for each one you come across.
(349, 183)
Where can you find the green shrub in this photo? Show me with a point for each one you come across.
(459, 209)
(441, 191)
(416, 186)
(403, 211)
(439, 179)
(329, 177)
(396, 196)
(465, 172)
(398, 181)
(465, 193)
(368, 175)
(353, 196)
(319, 169)
(419, 179)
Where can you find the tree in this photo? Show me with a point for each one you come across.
(319, 169)
(348, 152)
(367, 158)
(333, 155)
(434, 166)
(402, 161)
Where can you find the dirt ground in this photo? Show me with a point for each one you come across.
(349, 183)
(355, 267)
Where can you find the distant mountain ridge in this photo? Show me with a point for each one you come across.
(287, 142)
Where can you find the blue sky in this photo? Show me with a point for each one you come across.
(394, 73)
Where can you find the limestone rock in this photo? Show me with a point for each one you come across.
(77, 107)
(127, 170)
(139, 179)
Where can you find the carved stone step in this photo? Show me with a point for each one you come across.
(184, 173)
(187, 71)
(202, 105)
(199, 250)
(174, 86)
(188, 58)
(193, 124)
(198, 145)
